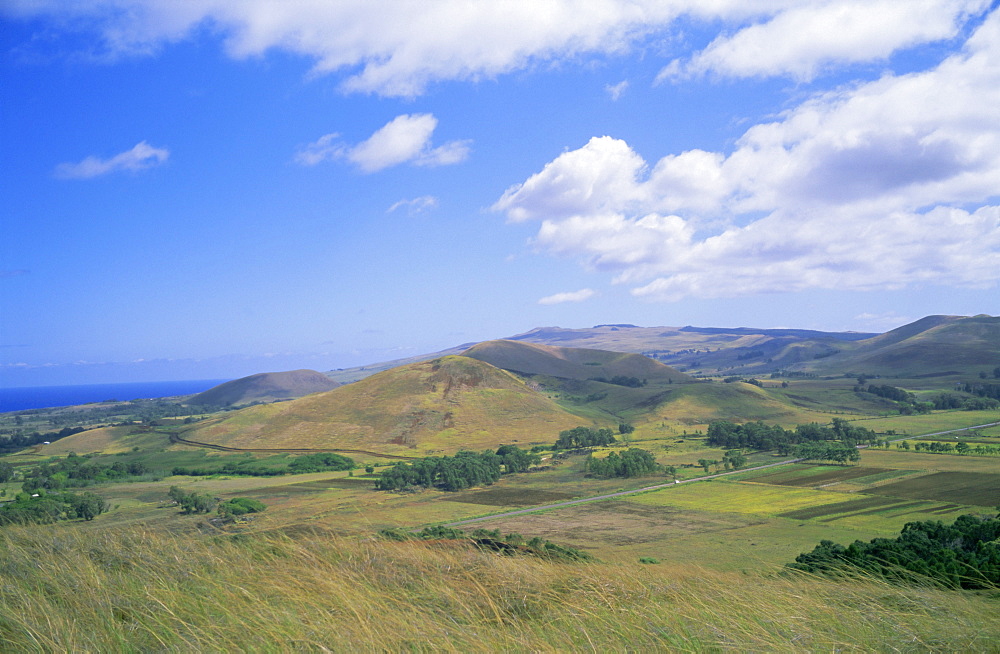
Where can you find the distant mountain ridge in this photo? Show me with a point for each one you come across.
(571, 363)
(939, 343)
(265, 387)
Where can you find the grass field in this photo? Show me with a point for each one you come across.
(311, 590)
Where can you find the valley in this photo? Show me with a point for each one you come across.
(697, 511)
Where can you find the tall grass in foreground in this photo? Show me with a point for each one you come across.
(142, 590)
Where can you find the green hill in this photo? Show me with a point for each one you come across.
(932, 346)
(448, 404)
(752, 350)
(572, 363)
(265, 387)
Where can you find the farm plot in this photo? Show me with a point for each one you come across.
(619, 523)
(839, 508)
(508, 497)
(969, 488)
(739, 497)
(912, 460)
(821, 475)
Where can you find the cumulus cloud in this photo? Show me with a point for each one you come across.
(571, 296)
(404, 139)
(415, 205)
(804, 38)
(391, 47)
(398, 47)
(141, 157)
(887, 184)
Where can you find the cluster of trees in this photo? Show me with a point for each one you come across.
(578, 437)
(758, 436)
(452, 473)
(192, 502)
(828, 451)
(888, 392)
(731, 460)
(43, 507)
(948, 448)
(746, 380)
(632, 462)
(76, 471)
(240, 506)
(961, 555)
(321, 462)
(952, 401)
(510, 544)
(514, 459)
(991, 391)
(622, 380)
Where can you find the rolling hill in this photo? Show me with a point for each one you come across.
(443, 405)
(572, 363)
(695, 349)
(265, 387)
(932, 346)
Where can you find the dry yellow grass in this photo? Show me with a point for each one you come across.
(142, 590)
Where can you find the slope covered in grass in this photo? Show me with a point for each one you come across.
(143, 590)
(572, 363)
(932, 345)
(444, 405)
(265, 387)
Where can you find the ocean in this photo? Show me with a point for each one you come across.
(39, 397)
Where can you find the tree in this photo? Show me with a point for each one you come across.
(240, 506)
(6, 471)
(88, 506)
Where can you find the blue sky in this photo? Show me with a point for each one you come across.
(212, 189)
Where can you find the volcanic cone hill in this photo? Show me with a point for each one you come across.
(265, 387)
(440, 406)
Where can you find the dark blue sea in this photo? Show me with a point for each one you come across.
(38, 397)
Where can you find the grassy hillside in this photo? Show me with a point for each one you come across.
(572, 363)
(935, 345)
(265, 387)
(691, 347)
(444, 405)
(143, 590)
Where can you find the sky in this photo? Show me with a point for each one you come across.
(211, 189)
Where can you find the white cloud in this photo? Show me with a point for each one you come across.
(141, 157)
(325, 148)
(398, 47)
(887, 184)
(616, 90)
(802, 40)
(572, 296)
(391, 47)
(415, 205)
(404, 139)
